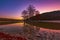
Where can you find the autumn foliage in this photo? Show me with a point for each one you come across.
(4, 36)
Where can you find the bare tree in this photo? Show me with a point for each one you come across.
(24, 14)
(31, 10)
(37, 12)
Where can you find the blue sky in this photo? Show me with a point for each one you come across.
(13, 8)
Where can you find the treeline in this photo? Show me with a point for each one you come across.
(7, 19)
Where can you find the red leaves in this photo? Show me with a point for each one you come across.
(9, 37)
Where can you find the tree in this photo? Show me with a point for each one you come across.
(37, 12)
(24, 14)
(31, 10)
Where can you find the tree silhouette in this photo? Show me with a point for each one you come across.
(37, 12)
(24, 14)
(31, 11)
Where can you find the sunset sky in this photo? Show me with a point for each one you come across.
(13, 8)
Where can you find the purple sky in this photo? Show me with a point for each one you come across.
(13, 8)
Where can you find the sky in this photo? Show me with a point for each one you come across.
(14, 8)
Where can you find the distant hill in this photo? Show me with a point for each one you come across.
(54, 15)
(7, 19)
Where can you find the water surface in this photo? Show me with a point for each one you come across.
(30, 32)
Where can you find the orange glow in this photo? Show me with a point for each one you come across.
(20, 18)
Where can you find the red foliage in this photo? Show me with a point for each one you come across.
(9, 37)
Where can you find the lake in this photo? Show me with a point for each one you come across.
(30, 32)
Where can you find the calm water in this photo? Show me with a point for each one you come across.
(30, 32)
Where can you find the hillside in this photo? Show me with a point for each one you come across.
(54, 15)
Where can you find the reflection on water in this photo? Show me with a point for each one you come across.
(30, 32)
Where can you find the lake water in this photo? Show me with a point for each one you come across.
(30, 32)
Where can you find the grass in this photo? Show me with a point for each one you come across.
(48, 25)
